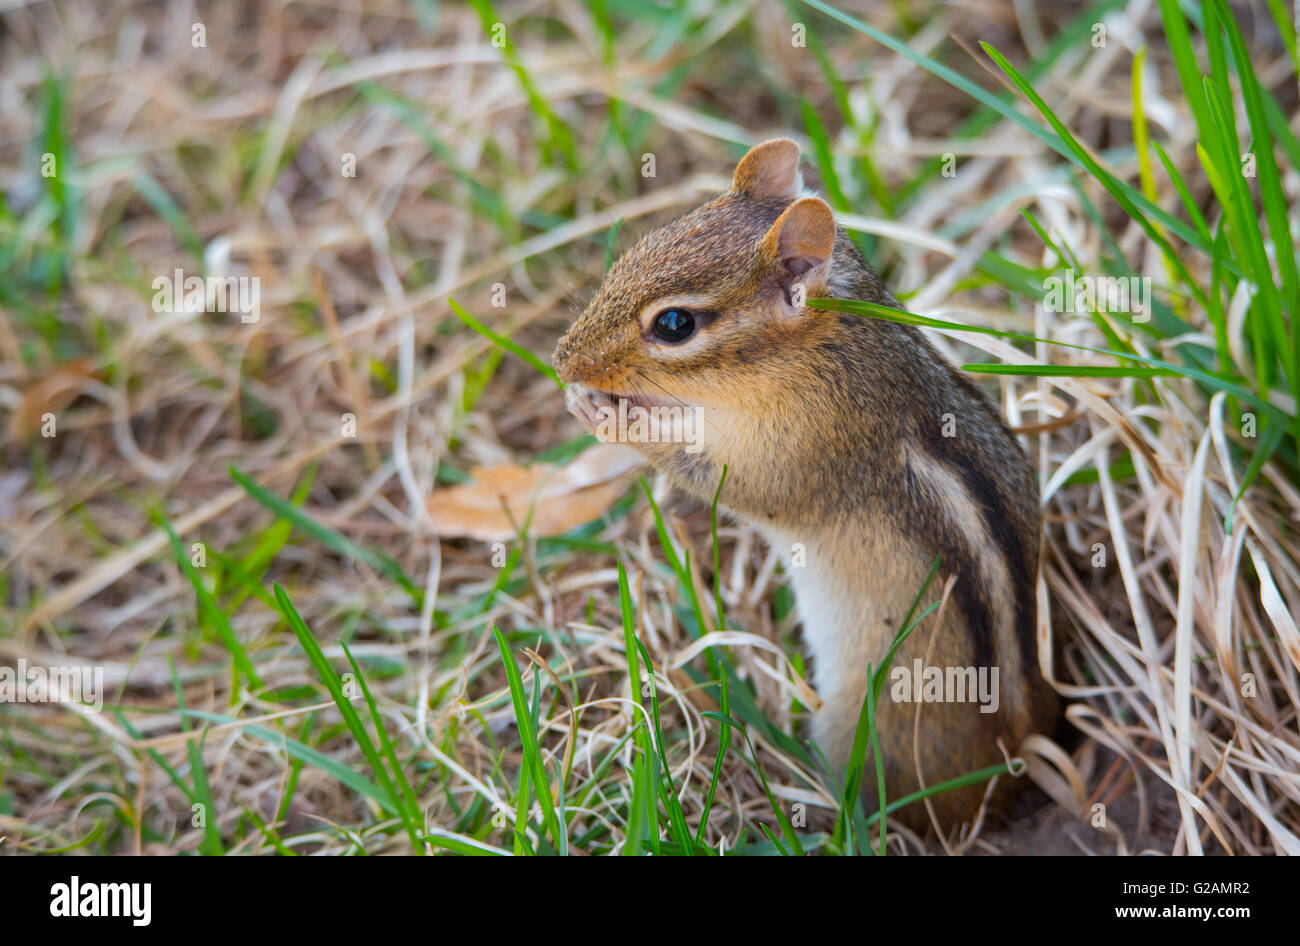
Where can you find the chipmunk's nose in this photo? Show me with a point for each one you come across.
(574, 364)
(563, 359)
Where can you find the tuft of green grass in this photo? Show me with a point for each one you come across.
(390, 777)
(534, 764)
(211, 611)
(1241, 252)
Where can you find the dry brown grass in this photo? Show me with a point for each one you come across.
(247, 136)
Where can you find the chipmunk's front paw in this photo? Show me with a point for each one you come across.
(585, 404)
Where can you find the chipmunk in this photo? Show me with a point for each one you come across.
(832, 430)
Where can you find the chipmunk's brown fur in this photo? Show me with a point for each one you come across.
(832, 429)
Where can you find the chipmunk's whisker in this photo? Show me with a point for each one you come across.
(640, 374)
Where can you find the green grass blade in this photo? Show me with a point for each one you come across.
(717, 566)
(724, 740)
(202, 795)
(350, 717)
(1123, 193)
(1185, 195)
(1070, 371)
(210, 610)
(890, 314)
(531, 747)
(676, 818)
(682, 566)
(325, 535)
(978, 777)
(467, 847)
(643, 824)
(1053, 141)
(560, 138)
(318, 760)
(413, 816)
(865, 734)
(512, 347)
(787, 830)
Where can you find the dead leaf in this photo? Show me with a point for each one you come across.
(565, 497)
(49, 395)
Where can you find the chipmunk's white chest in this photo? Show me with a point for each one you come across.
(845, 626)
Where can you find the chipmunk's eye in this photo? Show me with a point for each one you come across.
(674, 325)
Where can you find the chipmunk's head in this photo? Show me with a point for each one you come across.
(707, 315)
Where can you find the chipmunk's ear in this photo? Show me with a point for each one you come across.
(769, 170)
(799, 247)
